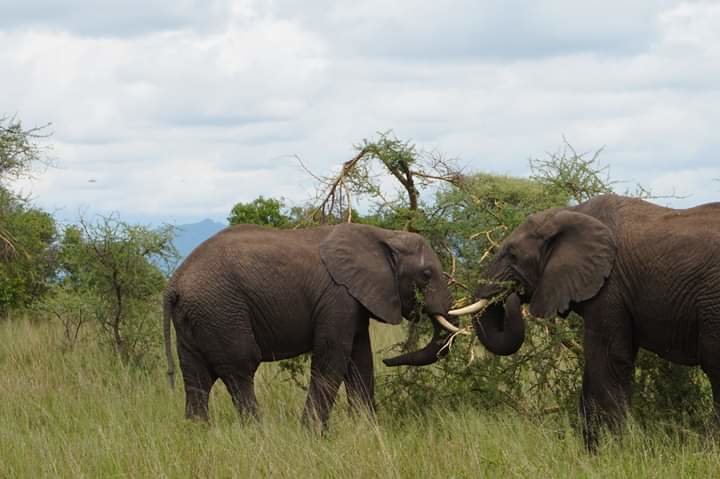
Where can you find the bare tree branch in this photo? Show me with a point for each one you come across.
(411, 169)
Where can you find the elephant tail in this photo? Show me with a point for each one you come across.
(169, 301)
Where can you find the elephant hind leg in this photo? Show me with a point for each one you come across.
(239, 381)
(229, 345)
(236, 364)
(199, 380)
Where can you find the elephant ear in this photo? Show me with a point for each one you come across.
(362, 258)
(580, 255)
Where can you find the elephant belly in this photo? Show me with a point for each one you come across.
(674, 340)
(283, 336)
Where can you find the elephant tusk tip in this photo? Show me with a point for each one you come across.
(470, 309)
(446, 324)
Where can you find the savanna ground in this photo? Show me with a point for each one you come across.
(80, 413)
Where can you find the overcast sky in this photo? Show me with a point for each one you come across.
(174, 110)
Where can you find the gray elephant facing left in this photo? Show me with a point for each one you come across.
(252, 294)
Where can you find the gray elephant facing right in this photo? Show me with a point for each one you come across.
(251, 294)
(639, 274)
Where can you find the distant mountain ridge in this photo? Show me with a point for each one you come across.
(188, 236)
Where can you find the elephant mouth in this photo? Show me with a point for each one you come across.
(436, 317)
(523, 286)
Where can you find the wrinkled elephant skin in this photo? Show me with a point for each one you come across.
(251, 294)
(639, 274)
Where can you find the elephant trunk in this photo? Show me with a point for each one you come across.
(433, 351)
(500, 328)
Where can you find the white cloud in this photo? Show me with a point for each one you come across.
(115, 18)
(199, 109)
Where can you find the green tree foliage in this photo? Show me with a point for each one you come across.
(466, 224)
(360, 179)
(466, 220)
(114, 266)
(260, 211)
(19, 150)
(573, 174)
(27, 263)
(76, 309)
(26, 233)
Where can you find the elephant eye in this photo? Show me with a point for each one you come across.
(427, 273)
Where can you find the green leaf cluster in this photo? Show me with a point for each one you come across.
(466, 221)
(260, 211)
(27, 253)
(118, 268)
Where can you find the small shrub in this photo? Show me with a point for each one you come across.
(116, 268)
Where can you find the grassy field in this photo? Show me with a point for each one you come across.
(78, 414)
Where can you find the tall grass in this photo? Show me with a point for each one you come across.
(80, 414)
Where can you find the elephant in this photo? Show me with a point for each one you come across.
(252, 294)
(640, 276)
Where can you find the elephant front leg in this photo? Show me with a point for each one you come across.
(607, 381)
(359, 378)
(328, 366)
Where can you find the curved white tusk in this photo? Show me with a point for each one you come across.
(446, 324)
(473, 308)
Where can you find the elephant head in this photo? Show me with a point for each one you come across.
(555, 258)
(392, 274)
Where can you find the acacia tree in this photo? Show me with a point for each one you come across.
(466, 221)
(359, 178)
(28, 265)
(19, 149)
(26, 233)
(120, 266)
(545, 375)
(19, 152)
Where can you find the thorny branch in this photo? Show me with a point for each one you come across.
(18, 148)
(552, 329)
(411, 169)
(334, 188)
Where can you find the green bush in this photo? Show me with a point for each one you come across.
(27, 260)
(466, 223)
(260, 211)
(113, 269)
(466, 219)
